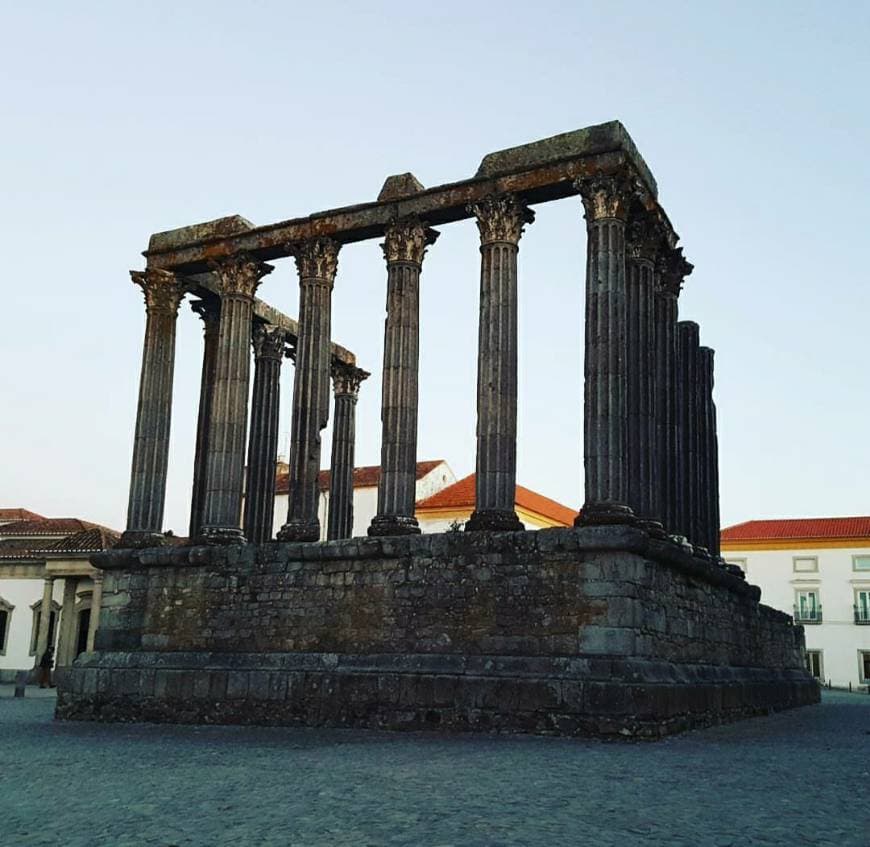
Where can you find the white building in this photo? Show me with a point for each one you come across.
(44, 567)
(817, 569)
(432, 476)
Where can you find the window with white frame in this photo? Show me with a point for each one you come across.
(861, 563)
(37, 619)
(807, 608)
(864, 665)
(805, 564)
(862, 605)
(5, 621)
(814, 663)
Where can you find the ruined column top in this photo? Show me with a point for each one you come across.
(537, 172)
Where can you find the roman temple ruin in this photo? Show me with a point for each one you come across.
(630, 623)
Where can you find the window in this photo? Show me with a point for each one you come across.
(861, 563)
(862, 605)
(807, 608)
(5, 620)
(805, 564)
(814, 663)
(864, 665)
(741, 563)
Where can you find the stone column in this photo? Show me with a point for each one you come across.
(210, 311)
(316, 262)
(671, 269)
(709, 455)
(269, 343)
(96, 603)
(687, 335)
(643, 241)
(606, 201)
(404, 247)
(501, 220)
(163, 293)
(346, 380)
(44, 618)
(67, 634)
(239, 278)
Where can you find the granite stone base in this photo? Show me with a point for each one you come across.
(600, 631)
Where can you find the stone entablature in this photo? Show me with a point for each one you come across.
(599, 630)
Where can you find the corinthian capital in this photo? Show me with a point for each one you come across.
(240, 274)
(606, 196)
(268, 341)
(501, 218)
(316, 258)
(673, 268)
(346, 379)
(407, 240)
(644, 238)
(162, 289)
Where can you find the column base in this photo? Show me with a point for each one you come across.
(138, 538)
(394, 525)
(214, 535)
(652, 527)
(296, 530)
(603, 514)
(494, 520)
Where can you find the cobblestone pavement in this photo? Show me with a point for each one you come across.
(796, 778)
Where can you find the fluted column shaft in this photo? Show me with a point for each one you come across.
(501, 220)
(316, 262)
(709, 461)
(642, 456)
(239, 277)
(163, 293)
(606, 201)
(44, 618)
(210, 311)
(346, 381)
(269, 343)
(96, 605)
(404, 247)
(687, 333)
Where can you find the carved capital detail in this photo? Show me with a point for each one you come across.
(644, 239)
(607, 196)
(346, 379)
(501, 218)
(268, 341)
(163, 290)
(316, 258)
(407, 240)
(672, 269)
(240, 275)
(209, 310)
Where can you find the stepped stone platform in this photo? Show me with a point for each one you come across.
(601, 631)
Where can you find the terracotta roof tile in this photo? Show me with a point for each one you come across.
(365, 477)
(19, 515)
(460, 495)
(798, 528)
(47, 526)
(87, 541)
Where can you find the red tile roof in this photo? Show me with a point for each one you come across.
(798, 528)
(19, 515)
(460, 495)
(87, 541)
(47, 526)
(365, 477)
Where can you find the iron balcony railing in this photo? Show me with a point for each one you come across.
(811, 615)
(862, 614)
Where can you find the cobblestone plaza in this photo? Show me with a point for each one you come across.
(798, 778)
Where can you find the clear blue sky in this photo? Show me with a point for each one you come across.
(121, 119)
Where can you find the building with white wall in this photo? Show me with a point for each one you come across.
(818, 570)
(451, 506)
(47, 587)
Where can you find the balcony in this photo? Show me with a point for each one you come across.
(808, 615)
(862, 615)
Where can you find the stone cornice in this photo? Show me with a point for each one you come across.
(316, 258)
(346, 379)
(501, 218)
(240, 275)
(268, 341)
(407, 240)
(163, 290)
